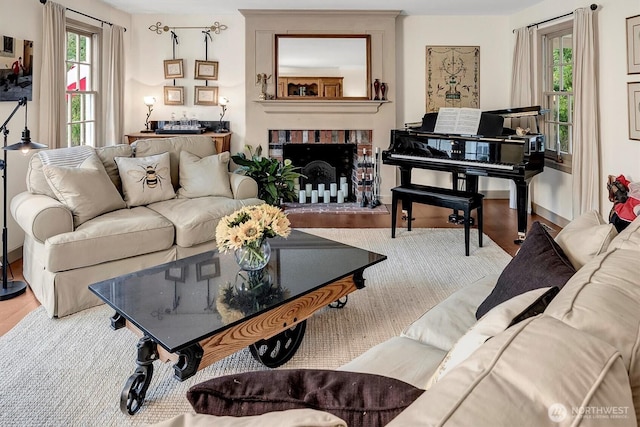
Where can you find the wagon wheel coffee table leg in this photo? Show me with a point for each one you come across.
(279, 349)
(135, 389)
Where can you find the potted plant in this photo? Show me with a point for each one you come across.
(276, 180)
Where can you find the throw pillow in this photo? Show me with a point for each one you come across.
(357, 398)
(491, 324)
(585, 237)
(86, 190)
(206, 176)
(145, 179)
(539, 263)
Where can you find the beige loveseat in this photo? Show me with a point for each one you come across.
(94, 233)
(576, 363)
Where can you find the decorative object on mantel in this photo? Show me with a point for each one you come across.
(158, 28)
(276, 180)
(222, 102)
(383, 91)
(246, 232)
(149, 101)
(262, 79)
(376, 89)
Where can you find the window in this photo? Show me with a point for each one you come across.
(556, 75)
(82, 84)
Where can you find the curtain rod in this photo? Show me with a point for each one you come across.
(84, 14)
(592, 7)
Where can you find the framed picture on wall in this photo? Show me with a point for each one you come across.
(634, 110)
(633, 45)
(173, 69)
(174, 95)
(453, 77)
(206, 95)
(206, 70)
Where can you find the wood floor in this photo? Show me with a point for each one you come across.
(500, 224)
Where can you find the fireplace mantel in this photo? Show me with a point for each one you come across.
(299, 106)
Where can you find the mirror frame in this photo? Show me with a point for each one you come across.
(368, 82)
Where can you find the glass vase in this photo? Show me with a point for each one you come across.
(253, 257)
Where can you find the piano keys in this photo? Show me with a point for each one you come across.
(518, 158)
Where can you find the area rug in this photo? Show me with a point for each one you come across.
(70, 371)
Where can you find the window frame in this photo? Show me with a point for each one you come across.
(90, 127)
(544, 69)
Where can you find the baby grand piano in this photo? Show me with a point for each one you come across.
(495, 152)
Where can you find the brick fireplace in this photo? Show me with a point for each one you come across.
(345, 141)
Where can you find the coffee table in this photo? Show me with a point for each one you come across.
(179, 311)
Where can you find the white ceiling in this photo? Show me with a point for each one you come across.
(408, 7)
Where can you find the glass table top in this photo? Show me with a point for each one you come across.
(188, 300)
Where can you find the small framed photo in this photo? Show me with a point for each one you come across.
(206, 70)
(633, 45)
(208, 269)
(174, 95)
(206, 95)
(177, 274)
(173, 69)
(634, 110)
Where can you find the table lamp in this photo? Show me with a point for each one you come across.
(13, 288)
(149, 101)
(222, 102)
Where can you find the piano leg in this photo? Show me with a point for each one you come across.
(405, 179)
(522, 198)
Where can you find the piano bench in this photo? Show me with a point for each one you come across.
(435, 196)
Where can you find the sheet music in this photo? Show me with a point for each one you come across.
(459, 121)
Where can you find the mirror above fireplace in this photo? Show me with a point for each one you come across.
(323, 66)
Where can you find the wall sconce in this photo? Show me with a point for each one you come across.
(222, 102)
(149, 101)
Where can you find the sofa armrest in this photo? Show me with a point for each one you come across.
(243, 187)
(41, 216)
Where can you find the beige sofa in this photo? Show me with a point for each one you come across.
(577, 363)
(64, 252)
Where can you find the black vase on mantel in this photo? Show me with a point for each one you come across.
(383, 90)
(376, 89)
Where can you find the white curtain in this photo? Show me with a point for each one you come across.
(113, 105)
(587, 179)
(521, 86)
(52, 129)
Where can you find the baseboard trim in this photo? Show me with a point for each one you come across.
(550, 216)
(14, 255)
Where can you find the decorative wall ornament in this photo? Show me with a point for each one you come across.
(173, 95)
(453, 77)
(158, 28)
(173, 69)
(633, 45)
(262, 79)
(634, 110)
(205, 95)
(206, 70)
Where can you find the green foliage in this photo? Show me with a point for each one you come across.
(275, 180)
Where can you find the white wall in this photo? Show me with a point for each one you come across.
(619, 155)
(414, 33)
(145, 72)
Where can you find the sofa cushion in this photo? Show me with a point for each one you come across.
(603, 299)
(290, 418)
(86, 190)
(208, 176)
(69, 157)
(195, 220)
(445, 323)
(115, 235)
(539, 263)
(585, 237)
(525, 374)
(629, 238)
(497, 320)
(108, 157)
(359, 399)
(200, 145)
(145, 179)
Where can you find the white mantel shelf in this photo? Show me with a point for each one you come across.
(322, 106)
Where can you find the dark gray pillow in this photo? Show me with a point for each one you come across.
(539, 263)
(359, 399)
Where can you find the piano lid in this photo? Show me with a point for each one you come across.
(534, 110)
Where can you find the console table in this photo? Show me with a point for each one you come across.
(221, 140)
